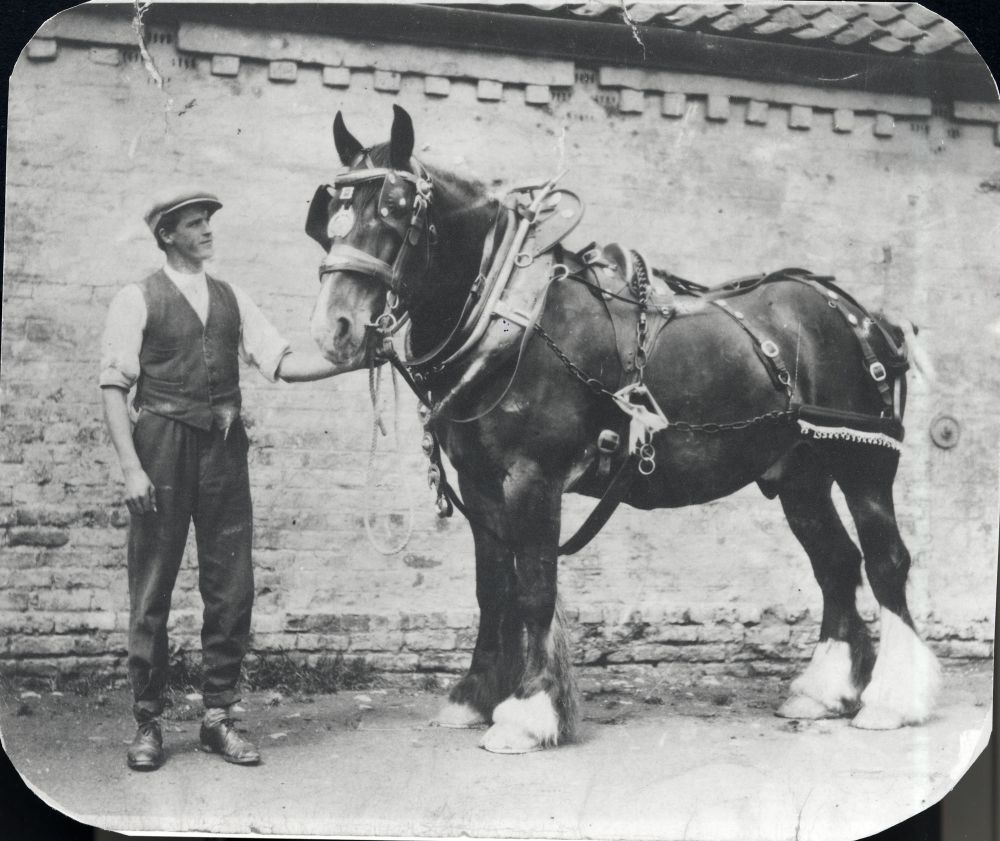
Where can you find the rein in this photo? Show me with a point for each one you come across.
(378, 426)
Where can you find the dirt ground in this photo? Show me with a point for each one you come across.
(704, 758)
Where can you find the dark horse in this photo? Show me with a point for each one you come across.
(405, 239)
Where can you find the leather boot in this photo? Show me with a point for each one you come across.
(146, 751)
(222, 737)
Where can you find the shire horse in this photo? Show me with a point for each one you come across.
(407, 240)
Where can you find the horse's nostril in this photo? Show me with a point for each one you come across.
(343, 329)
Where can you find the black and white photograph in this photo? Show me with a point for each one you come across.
(541, 420)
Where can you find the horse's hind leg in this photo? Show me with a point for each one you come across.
(907, 676)
(832, 682)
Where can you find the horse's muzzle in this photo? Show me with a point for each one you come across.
(340, 318)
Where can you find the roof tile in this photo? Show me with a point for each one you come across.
(889, 44)
(920, 16)
(821, 27)
(740, 17)
(883, 12)
(904, 30)
(593, 9)
(645, 12)
(860, 30)
(848, 11)
(784, 20)
(965, 48)
(890, 27)
(937, 38)
(811, 10)
(690, 14)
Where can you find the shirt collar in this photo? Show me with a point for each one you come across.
(183, 279)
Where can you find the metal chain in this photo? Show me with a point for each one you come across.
(777, 416)
(596, 387)
(640, 286)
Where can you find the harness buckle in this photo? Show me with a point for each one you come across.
(385, 323)
(591, 256)
(608, 441)
(877, 370)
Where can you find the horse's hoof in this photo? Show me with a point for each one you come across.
(802, 706)
(877, 718)
(508, 738)
(461, 716)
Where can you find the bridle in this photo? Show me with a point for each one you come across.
(416, 239)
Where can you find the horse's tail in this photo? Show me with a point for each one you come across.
(904, 334)
(919, 356)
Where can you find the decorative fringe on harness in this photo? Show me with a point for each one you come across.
(845, 433)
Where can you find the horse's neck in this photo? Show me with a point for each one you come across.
(463, 220)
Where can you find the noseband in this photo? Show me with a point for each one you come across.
(395, 277)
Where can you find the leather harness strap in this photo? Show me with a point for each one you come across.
(766, 350)
(874, 366)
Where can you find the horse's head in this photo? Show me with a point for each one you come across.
(373, 223)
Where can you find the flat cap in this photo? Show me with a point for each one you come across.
(175, 200)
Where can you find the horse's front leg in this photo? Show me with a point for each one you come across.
(543, 709)
(496, 667)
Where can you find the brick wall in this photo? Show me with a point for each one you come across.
(712, 177)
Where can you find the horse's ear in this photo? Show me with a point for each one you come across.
(401, 139)
(347, 144)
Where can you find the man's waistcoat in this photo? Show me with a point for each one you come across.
(189, 371)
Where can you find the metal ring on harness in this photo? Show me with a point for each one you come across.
(523, 259)
(385, 323)
(646, 466)
(559, 272)
(647, 451)
(769, 349)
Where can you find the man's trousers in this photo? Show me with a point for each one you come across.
(201, 476)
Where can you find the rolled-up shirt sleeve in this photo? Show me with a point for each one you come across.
(261, 345)
(122, 339)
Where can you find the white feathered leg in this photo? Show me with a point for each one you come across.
(825, 689)
(905, 681)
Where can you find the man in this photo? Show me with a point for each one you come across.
(177, 336)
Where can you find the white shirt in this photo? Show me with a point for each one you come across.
(261, 345)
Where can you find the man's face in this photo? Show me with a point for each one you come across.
(192, 237)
